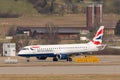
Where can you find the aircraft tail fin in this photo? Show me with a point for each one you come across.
(97, 40)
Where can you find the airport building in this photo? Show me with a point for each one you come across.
(61, 32)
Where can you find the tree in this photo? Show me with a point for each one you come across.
(34, 34)
(97, 0)
(112, 6)
(52, 6)
(51, 33)
(61, 12)
(11, 31)
(117, 29)
(116, 5)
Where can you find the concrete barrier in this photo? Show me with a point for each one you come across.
(10, 61)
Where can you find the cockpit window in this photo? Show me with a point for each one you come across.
(25, 49)
(31, 48)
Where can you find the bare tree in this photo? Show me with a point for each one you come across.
(1, 48)
(52, 33)
(11, 31)
(21, 41)
(117, 29)
(62, 11)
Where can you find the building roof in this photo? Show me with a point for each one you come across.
(59, 29)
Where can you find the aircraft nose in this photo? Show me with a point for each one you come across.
(20, 53)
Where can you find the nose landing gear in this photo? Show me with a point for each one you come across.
(28, 59)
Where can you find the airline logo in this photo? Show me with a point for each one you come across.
(35, 47)
(98, 37)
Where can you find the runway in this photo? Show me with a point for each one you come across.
(114, 69)
(107, 65)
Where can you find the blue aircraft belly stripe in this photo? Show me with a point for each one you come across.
(35, 55)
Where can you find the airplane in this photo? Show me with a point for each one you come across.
(63, 51)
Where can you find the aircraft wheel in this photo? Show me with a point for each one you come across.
(55, 59)
(28, 60)
(69, 59)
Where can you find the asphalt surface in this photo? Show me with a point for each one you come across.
(107, 65)
(61, 70)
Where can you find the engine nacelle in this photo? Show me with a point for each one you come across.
(63, 56)
(41, 57)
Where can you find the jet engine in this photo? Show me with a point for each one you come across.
(63, 56)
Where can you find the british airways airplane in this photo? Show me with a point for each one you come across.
(63, 51)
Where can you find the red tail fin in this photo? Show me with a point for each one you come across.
(97, 40)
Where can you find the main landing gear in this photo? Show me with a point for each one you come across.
(68, 59)
(55, 59)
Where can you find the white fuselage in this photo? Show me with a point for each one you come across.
(58, 49)
(68, 48)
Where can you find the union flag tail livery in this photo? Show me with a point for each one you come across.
(97, 40)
